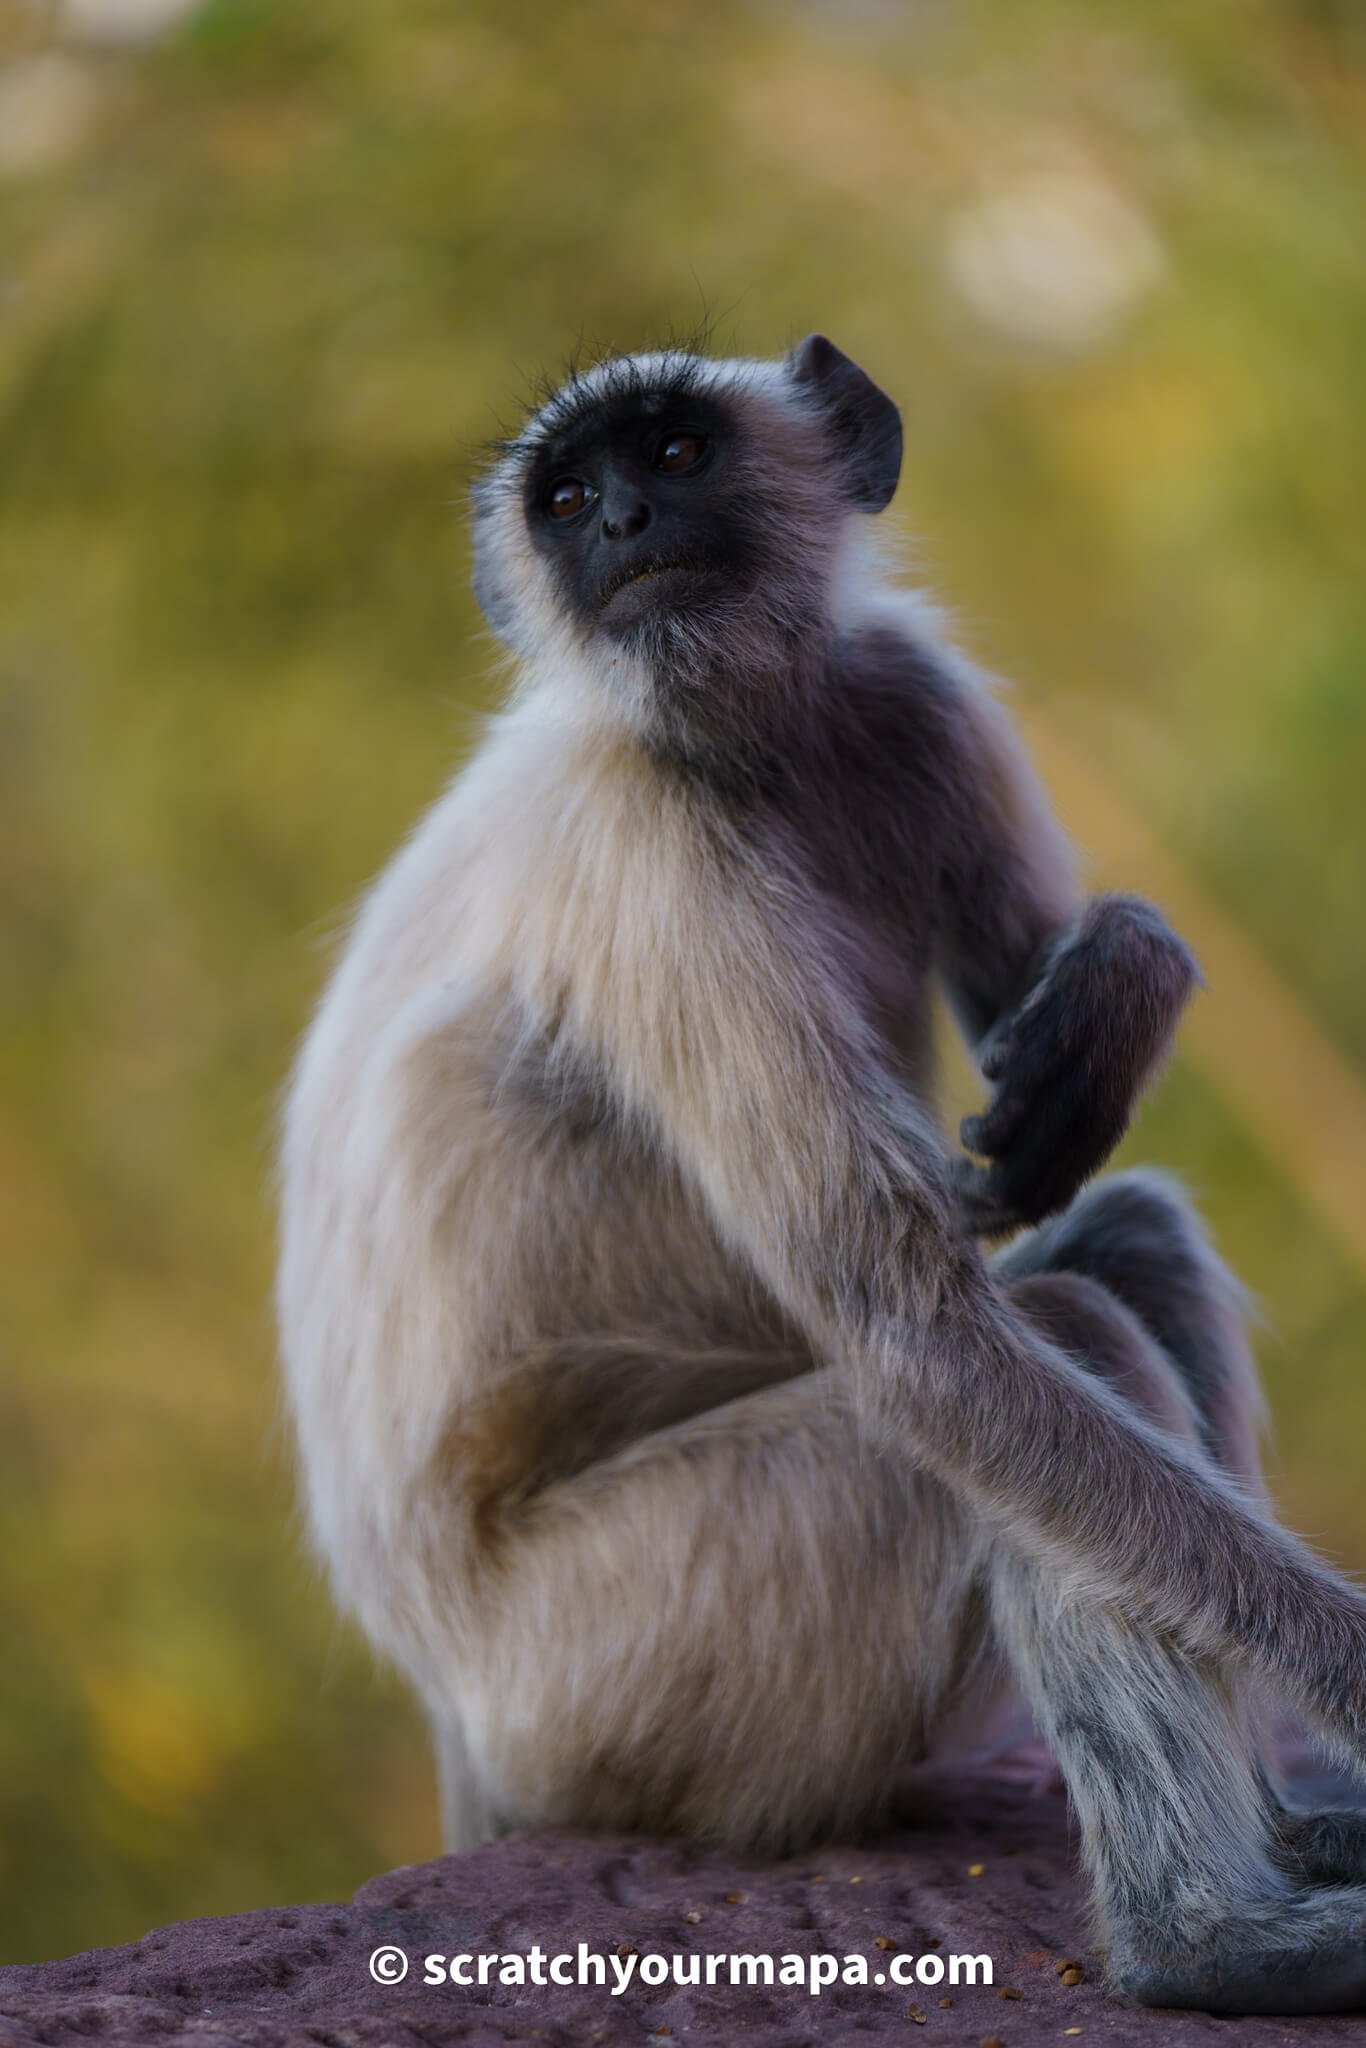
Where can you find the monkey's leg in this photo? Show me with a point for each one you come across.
(1195, 1907)
(742, 1627)
(1193, 1896)
(1138, 1235)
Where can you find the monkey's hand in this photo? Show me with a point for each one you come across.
(1069, 1063)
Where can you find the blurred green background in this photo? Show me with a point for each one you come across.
(269, 274)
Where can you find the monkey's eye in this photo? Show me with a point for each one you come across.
(678, 453)
(570, 496)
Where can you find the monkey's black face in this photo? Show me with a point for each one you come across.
(643, 512)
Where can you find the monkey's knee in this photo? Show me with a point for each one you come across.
(1084, 1319)
(1138, 1236)
(1136, 1232)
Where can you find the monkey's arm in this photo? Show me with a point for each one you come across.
(1070, 1006)
(730, 1024)
(1069, 1063)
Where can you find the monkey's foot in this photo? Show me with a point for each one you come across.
(1326, 1848)
(1305, 1956)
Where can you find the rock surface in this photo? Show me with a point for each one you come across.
(986, 1870)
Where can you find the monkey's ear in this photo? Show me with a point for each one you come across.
(863, 422)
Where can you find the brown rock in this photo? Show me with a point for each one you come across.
(296, 1977)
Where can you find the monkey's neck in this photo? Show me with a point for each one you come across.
(741, 727)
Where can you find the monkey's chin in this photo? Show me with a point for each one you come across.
(656, 595)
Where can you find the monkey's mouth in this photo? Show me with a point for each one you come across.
(650, 569)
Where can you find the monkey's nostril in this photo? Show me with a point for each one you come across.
(626, 525)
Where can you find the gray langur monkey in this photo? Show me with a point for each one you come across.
(659, 1413)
